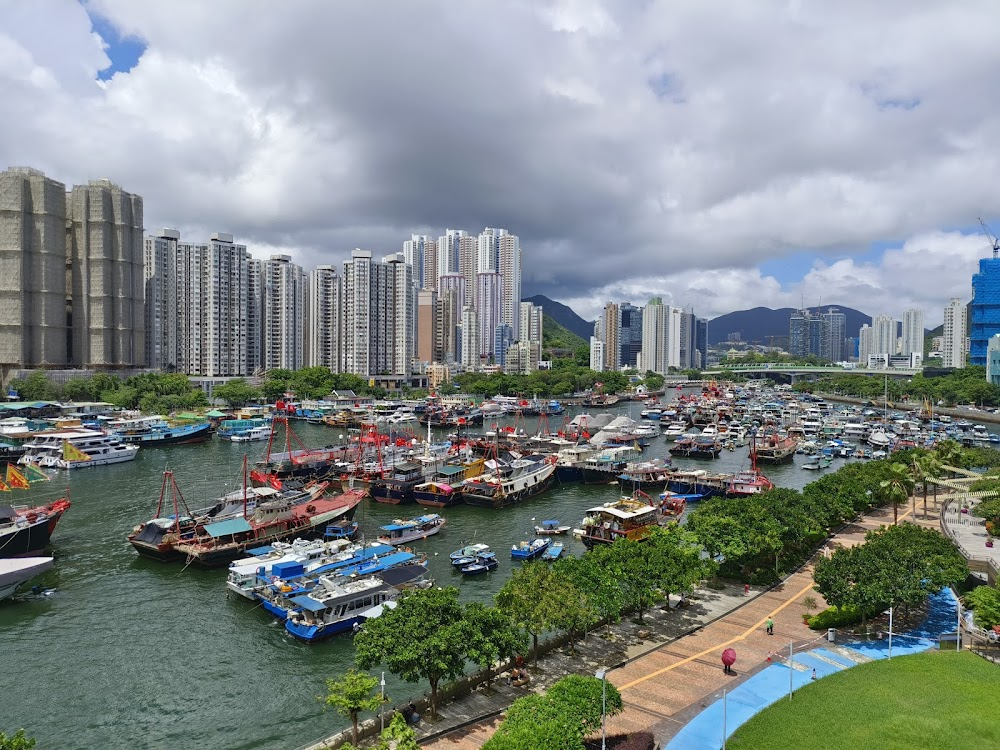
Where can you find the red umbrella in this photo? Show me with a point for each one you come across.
(729, 657)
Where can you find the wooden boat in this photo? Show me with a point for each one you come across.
(553, 552)
(482, 563)
(403, 531)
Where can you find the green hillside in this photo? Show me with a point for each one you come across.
(554, 336)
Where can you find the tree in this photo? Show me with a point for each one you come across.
(237, 392)
(949, 453)
(592, 574)
(560, 719)
(352, 694)
(930, 467)
(896, 489)
(424, 637)
(985, 600)
(532, 597)
(494, 637)
(17, 741)
(398, 736)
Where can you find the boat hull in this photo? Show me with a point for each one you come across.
(179, 436)
(503, 499)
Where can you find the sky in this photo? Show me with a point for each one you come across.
(722, 155)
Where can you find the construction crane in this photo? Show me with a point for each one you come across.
(992, 237)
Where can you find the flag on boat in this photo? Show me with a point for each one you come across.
(34, 474)
(4, 487)
(72, 453)
(16, 480)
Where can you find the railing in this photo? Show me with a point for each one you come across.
(977, 563)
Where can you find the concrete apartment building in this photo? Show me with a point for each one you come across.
(323, 303)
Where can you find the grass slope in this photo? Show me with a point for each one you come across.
(939, 700)
(558, 337)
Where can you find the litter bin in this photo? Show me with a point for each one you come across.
(831, 635)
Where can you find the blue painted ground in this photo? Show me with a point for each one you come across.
(705, 731)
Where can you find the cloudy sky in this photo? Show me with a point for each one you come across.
(720, 154)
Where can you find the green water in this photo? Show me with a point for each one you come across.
(131, 653)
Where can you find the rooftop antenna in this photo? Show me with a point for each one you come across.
(994, 241)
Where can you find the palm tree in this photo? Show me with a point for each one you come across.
(896, 489)
(929, 467)
(950, 453)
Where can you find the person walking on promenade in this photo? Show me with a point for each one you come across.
(770, 626)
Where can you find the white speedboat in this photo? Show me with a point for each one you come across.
(17, 570)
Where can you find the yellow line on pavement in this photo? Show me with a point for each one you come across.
(731, 641)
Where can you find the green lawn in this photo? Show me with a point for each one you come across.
(936, 700)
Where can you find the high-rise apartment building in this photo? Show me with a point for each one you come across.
(629, 334)
(469, 335)
(913, 332)
(509, 265)
(984, 310)
(255, 317)
(105, 248)
(284, 314)
(447, 332)
(160, 271)
(428, 338)
(420, 253)
(953, 350)
(833, 334)
(324, 316)
(661, 337)
(33, 301)
(531, 318)
(884, 335)
(489, 288)
(866, 344)
(379, 315)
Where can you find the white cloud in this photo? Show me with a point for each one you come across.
(665, 147)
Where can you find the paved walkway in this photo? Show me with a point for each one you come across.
(777, 681)
(665, 688)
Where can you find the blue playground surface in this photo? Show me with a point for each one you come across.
(705, 731)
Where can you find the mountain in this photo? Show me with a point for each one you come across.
(760, 324)
(564, 316)
(555, 336)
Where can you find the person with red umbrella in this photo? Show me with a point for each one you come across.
(728, 659)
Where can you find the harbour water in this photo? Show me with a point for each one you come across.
(132, 653)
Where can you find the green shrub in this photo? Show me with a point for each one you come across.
(835, 617)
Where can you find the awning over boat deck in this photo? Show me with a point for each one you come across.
(450, 471)
(258, 551)
(307, 602)
(225, 528)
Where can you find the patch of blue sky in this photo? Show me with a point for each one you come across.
(124, 52)
(667, 86)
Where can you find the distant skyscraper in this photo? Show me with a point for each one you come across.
(420, 253)
(993, 360)
(509, 264)
(866, 344)
(105, 248)
(469, 339)
(324, 329)
(629, 334)
(449, 251)
(984, 310)
(364, 295)
(806, 334)
(953, 352)
(428, 340)
(532, 317)
(611, 332)
(33, 326)
(597, 354)
(833, 334)
(488, 250)
(884, 335)
(661, 336)
(913, 332)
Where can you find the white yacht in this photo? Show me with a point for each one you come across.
(253, 434)
(75, 449)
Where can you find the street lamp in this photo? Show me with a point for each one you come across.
(602, 675)
(381, 709)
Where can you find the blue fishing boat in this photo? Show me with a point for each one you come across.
(529, 550)
(480, 564)
(341, 530)
(469, 550)
(553, 552)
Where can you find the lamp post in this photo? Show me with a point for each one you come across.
(381, 709)
(723, 719)
(602, 675)
(958, 628)
(890, 632)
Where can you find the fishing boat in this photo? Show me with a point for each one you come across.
(341, 530)
(25, 530)
(482, 563)
(554, 551)
(771, 448)
(468, 551)
(14, 573)
(296, 461)
(75, 448)
(446, 486)
(696, 446)
(403, 531)
(398, 487)
(241, 520)
(550, 528)
(529, 549)
(228, 428)
(627, 518)
(154, 431)
(247, 573)
(338, 606)
(507, 484)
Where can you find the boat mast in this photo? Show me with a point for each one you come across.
(244, 485)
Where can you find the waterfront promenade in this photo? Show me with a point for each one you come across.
(664, 686)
